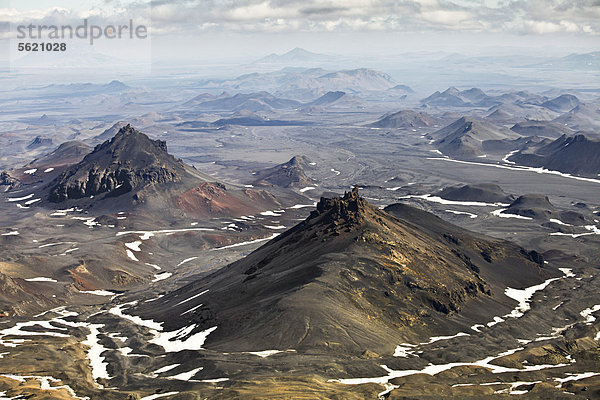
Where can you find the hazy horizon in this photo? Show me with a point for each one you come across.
(241, 31)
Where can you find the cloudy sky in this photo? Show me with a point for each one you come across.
(248, 28)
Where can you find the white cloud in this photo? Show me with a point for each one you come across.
(509, 16)
(447, 17)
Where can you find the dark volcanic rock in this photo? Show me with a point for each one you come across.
(582, 117)
(570, 154)
(468, 138)
(499, 115)
(128, 161)
(327, 98)
(538, 206)
(541, 128)
(453, 97)
(261, 101)
(288, 174)
(352, 277)
(8, 181)
(335, 99)
(562, 103)
(405, 119)
(483, 192)
(39, 141)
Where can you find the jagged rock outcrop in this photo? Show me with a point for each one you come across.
(120, 165)
(7, 182)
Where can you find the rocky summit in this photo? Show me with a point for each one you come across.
(127, 161)
(351, 278)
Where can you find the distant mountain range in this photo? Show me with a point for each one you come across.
(337, 99)
(307, 84)
(516, 106)
(80, 89)
(260, 101)
(296, 57)
(562, 103)
(575, 61)
(456, 98)
(249, 103)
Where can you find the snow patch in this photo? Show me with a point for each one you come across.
(41, 279)
(437, 199)
(13, 199)
(539, 170)
(95, 354)
(99, 292)
(462, 213)
(246, 243)
(192, 298)
(587, 314)
(131, 255)
(499, 213)
(160, 277)
(159, 395)
(186, 376)
(186, 260)
(134, 246)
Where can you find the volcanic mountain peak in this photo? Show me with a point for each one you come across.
(288, 174)
(533, 200)
(483, 192)
(355, 276)
(468, 138)
(404, 119)
(128, 136)
(538, 206)
(127, 161)
(39, 141)
(576, 154)
(297, 161)
(562, 103)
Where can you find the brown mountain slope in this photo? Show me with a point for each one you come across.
(352, 277)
